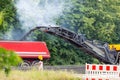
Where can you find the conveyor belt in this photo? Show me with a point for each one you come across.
(101, 51)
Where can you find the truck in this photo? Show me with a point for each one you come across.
(104, 52)
(29, 51)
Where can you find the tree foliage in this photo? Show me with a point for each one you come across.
(8, 19)
(7, 14)
(89, 17)
(8, 59)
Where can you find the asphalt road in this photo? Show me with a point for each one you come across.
(75, 68)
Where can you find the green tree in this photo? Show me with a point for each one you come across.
(89, 17)
(8, 18)
(7, 14)
(8, 59)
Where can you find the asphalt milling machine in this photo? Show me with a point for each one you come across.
(104, 52)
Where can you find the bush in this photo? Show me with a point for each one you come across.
(8, 58)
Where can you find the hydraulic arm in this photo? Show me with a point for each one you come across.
(96, 49)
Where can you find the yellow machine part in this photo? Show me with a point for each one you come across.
(115, 46)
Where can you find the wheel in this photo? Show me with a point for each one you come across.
(25, 65)
(37, 65)
(34, 63)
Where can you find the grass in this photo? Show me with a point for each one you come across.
(39, 75)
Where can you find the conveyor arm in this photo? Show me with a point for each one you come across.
(98, 50)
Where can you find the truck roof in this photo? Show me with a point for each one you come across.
(27, 49)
